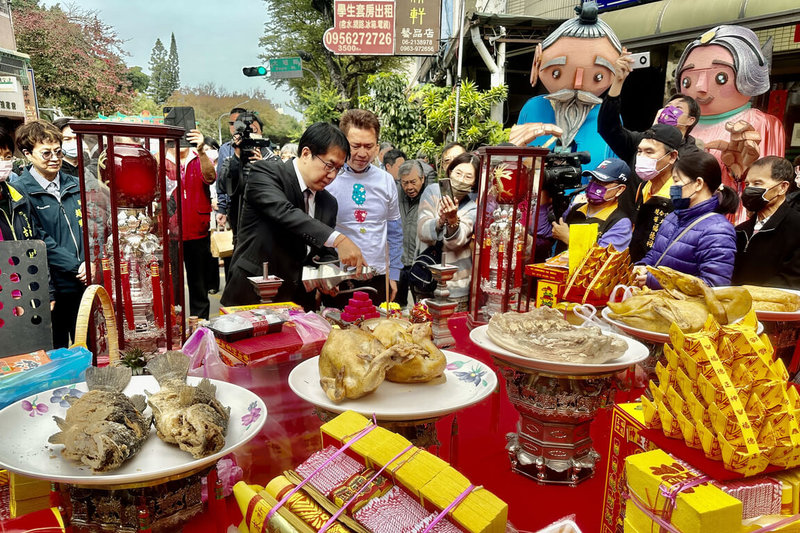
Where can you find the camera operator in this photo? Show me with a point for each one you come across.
(248, 146)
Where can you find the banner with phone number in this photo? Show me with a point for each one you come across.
(361, 27)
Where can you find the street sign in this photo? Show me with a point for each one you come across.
(286, 67)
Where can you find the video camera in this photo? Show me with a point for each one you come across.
(562, 178)
(249, 141)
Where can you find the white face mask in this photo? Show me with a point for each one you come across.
(646, 167)
(212, 154)
(5, 169)
(70, 149)
(797, 178)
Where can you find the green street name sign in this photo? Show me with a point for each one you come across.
(286, 67)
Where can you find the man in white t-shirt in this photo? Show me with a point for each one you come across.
(369, 213)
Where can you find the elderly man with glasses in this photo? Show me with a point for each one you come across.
(55, 198)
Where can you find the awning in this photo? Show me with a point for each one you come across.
(15, 64)
(676, 20)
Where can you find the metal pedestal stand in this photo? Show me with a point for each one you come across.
(266, 286)
(552, 444)
(441, 307)
(169, 502)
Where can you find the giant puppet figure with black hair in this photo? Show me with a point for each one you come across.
(575, 64)
(722, 70)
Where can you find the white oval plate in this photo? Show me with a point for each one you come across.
(635, 353)
(644, 334)
(468, 381)
(28, 423)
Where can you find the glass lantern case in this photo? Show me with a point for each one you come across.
(132, 237)
(507, 221)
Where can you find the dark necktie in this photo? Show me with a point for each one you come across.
(307, 198)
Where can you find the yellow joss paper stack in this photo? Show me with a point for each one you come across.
(416, 473)
(27, 494)
(697, 509)
(430, 479)
(478, 508)
(600, 270)
(722, 391)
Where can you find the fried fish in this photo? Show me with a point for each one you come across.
(183, 414)
(769, 299)
(103, 428)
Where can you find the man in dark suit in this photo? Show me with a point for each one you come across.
(288, 218)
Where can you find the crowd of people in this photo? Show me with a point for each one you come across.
(340, 195)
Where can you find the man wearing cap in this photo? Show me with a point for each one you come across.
(607, 183)
(655, 157)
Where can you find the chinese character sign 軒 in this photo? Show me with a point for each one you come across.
(417, 27)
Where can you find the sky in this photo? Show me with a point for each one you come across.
(215, 39)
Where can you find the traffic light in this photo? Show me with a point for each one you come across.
(254, 71)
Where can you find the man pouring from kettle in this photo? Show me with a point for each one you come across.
(288, 218)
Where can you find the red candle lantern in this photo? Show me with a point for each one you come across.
(506, 227)
(136, 173)
(142, 256)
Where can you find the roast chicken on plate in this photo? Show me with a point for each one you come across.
(423, 367)
(354, 362)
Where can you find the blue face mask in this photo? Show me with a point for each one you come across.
(678, 201)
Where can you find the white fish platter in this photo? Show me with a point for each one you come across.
(26, 425)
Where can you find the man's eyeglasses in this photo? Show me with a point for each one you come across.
(47, 155)
(330, 167)
(231, 122)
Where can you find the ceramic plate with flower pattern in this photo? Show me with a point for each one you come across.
(467, 382)
(28, 423)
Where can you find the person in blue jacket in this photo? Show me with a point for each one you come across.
(56, 201)
(696, 238)
(575, 64)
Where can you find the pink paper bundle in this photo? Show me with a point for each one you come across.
(394, 512)
(442, 526)
(398, 512)
(336, 472)
(759, 496)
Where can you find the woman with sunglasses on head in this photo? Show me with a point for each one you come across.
(55, 197)
(696, 238)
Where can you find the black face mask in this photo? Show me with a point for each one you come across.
(753, 198)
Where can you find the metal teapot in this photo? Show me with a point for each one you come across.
(329, 275)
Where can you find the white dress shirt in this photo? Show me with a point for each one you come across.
(50, 187)
(312, 204)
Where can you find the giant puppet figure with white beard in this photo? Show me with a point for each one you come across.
(575, 64)
(722, 69)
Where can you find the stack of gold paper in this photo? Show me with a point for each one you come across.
(722, 391)
(598, 273)
(27, 494)
(430, 479)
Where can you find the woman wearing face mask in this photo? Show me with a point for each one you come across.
(768, 243)
(98, 195)
(608, 183)
(696, 238)
(16, 222)
(451, 220)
